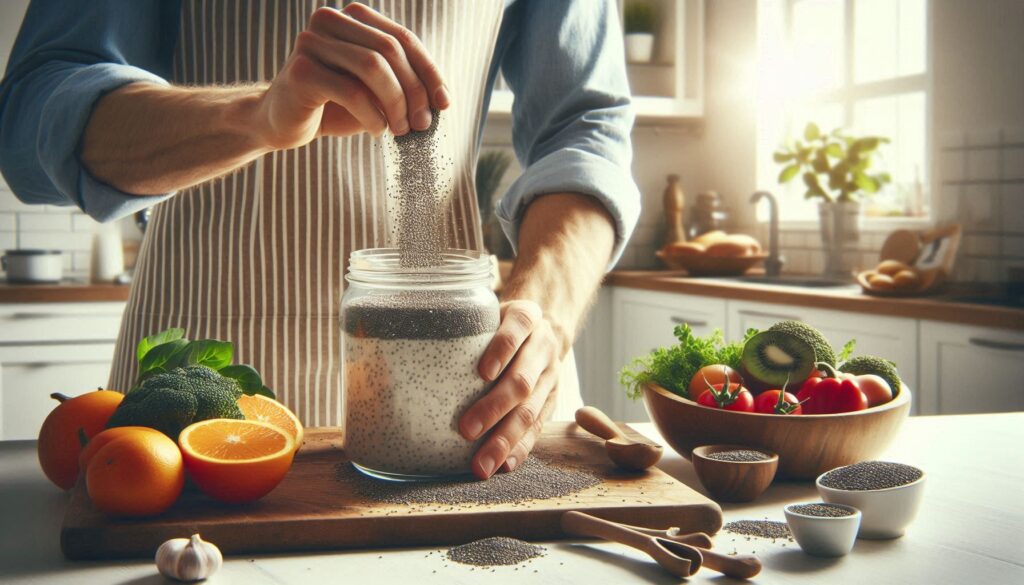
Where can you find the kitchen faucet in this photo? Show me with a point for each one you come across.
(773, 265)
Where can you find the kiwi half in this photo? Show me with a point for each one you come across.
(772, 357)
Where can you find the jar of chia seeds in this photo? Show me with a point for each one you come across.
(411, 340)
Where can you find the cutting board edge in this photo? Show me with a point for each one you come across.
(80, 543)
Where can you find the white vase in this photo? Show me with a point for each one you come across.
(840, 228)
(639, 47)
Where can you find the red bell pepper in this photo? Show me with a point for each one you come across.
(830, 394)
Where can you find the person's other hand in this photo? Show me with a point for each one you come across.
(351, 71)
(525, 359)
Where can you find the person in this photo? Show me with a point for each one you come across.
(251, 128)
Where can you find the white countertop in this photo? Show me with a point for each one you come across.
(969, 530)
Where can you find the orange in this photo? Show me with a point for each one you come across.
(269, 410)
(236, 461)
(59, 444)
(137, 474)
(100, 440)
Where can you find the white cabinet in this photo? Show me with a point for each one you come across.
(643, 321)
(893, 338)
(51, 347)
(971, 369)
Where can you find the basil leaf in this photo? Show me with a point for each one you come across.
(166, 356)
(847, 351)
(212, 353)
(148, 343)
(264, 391)
(246, 376)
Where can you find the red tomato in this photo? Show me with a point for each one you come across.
(715, 374)
(875, 388)
(735, 398)
(768, 403)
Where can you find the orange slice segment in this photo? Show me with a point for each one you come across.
(271, 411)
(236, 461)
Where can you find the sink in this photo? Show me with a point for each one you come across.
(795, 280)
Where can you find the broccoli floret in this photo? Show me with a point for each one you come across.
(170, 401)
(823, 351)
(881, 367)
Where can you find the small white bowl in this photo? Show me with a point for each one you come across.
(824, 536)
(887, 512)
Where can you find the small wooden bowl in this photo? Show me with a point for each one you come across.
(807, 444)
(704, 265)
(734, 481)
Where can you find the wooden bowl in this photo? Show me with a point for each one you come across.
(807, 445)
(704, 265)
(733, 481)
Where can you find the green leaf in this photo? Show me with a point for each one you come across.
(264, 391)
(161, 338)
(883, 178)
(820, 164)
(866, 183)
(803, 154)
(781, 157)
(835, 150)
(212, 353)
(788, 173)
(865, 144)
(847, 351)
(811, 132)
(165, 356)
(246, 376)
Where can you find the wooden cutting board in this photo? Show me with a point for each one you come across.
(311, 510)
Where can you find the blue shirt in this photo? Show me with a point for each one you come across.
(563, 60)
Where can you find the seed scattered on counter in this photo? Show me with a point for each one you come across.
(871, 475)
(495, 551)
(533, 480)
(821, 510)
(739, 455)
(760, 528)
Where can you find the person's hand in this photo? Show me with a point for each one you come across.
(525, 359)
(351, 71)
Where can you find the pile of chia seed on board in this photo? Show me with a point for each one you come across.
(768, 529)
(495, 551)
(871, 475)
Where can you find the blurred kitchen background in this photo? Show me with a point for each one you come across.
(720, 86)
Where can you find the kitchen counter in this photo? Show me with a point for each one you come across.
(968, 529)
(842, 298)
(69, 291)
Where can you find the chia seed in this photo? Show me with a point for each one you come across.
(532, 480)
(739, 455)
(760, 528)
(822, 510)
(871, 475)
(495, 551)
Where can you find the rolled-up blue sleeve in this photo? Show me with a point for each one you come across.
(572, 114)
(63, 61)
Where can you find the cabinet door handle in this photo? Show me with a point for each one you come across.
(691, 322)
(992, 344)
(26, 315)
(770, 315)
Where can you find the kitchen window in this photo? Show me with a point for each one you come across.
(857, 64)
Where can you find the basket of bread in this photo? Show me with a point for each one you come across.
(913, 263)
(714, 253)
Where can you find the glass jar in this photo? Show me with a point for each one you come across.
(411, 340)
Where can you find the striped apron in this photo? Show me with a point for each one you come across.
(258, 256)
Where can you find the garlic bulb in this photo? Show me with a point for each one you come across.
(188, 559)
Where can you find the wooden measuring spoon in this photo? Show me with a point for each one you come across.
(680, 559)
(624, 452)
(697, 539)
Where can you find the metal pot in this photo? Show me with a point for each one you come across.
(33, 266)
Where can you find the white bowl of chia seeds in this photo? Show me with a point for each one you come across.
(887, 494)
(823, 530)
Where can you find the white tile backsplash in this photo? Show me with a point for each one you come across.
(1013, 163)
(977, 206)
(1012, 200)
(980, 245)
(8, 241)
(1013, 246)
(983, 164)
(66, 241)
(44, 222)
(8, 222)
(81, 222)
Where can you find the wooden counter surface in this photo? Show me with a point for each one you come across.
(847, 298)
(65, 292)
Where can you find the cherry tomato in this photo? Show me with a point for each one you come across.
(768, 403)
(735, 398)
(715, 374)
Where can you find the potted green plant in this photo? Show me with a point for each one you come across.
(834, 168)
(639, 19)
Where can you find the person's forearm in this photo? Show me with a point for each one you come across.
(147, 139)
(565, 242)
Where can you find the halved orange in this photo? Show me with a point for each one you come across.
(269, 410)
(236, 461)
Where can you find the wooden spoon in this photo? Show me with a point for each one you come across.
(697, 539)
(682, 560)
(624, 452)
